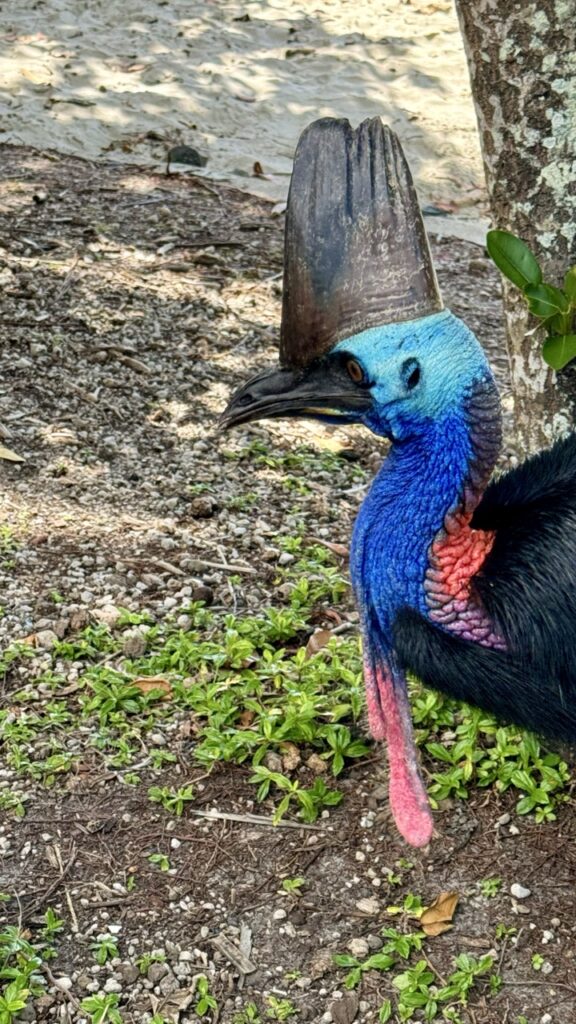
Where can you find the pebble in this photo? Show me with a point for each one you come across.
(156, 972)
(369, 905)
(112, 985)
(279, 915)
(359, 948)
(519, 891)
(108, 616)
(546, 1018)
(129, 974)
(46, 638)
(65, 983)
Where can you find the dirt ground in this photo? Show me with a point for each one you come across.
(130, 305)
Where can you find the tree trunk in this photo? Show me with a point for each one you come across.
(522, 62)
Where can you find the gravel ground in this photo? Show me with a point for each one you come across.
(130, 305)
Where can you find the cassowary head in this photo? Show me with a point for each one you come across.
(394, 379)
(363, 337)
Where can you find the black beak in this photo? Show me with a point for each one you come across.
(321, 391)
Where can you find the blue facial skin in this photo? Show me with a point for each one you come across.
(421, 374)
(419, 371)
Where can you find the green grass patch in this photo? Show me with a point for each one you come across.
(253, 697)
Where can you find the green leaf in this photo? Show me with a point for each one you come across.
(558, 350)
(544, 300)
(385, 1011)
(344, 960)
(379, 962)
(570, 285)
(513, 258)
(353, 979)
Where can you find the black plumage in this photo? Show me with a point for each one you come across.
(527, 584)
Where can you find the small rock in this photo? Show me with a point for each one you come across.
(369, 905)
(285, 558)
(321, 964)
(64, 983)
(547, 967)
(202, 507)
(303, 982)
(273, 761)
(43, 1004)
(546, 1018)
(359, 948)
(134, 644)
(112, 985)
(519, 892)
(46, 638)
(504, 819)
(184, 155)
(129, 974)
(279, 915)
(156, 972)
(169, 984)
(108, 616)
(27, 1013)
(201, 593)
(344, 1010)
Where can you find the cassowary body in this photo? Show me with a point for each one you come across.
(467, 584)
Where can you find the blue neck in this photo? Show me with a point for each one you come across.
(423, 479)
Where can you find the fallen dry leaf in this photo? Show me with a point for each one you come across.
(337, 549)
(317, 641)
(437, 918)
(437, 928)
(9, 455)
(151, 684)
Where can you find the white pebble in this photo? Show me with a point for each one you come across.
(519, 891)
(279, 915)
(112, 985)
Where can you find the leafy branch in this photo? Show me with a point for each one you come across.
(555, 307)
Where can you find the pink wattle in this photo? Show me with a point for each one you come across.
(389, 717)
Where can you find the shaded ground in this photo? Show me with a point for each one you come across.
(130, 305)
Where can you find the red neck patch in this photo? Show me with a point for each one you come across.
(456, 556)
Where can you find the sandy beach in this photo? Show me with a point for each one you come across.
(239, 82)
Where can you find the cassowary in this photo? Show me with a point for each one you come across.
(467, 584)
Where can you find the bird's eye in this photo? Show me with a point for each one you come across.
(355, 371)
(411, 373)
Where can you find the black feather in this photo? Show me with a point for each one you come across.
(527, 585)
(486, 678)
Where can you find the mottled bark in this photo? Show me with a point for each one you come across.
(522, 61)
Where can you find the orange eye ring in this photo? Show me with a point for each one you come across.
(355, 371)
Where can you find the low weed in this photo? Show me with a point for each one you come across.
(251, 695)
(419, 991)
(21, 965)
